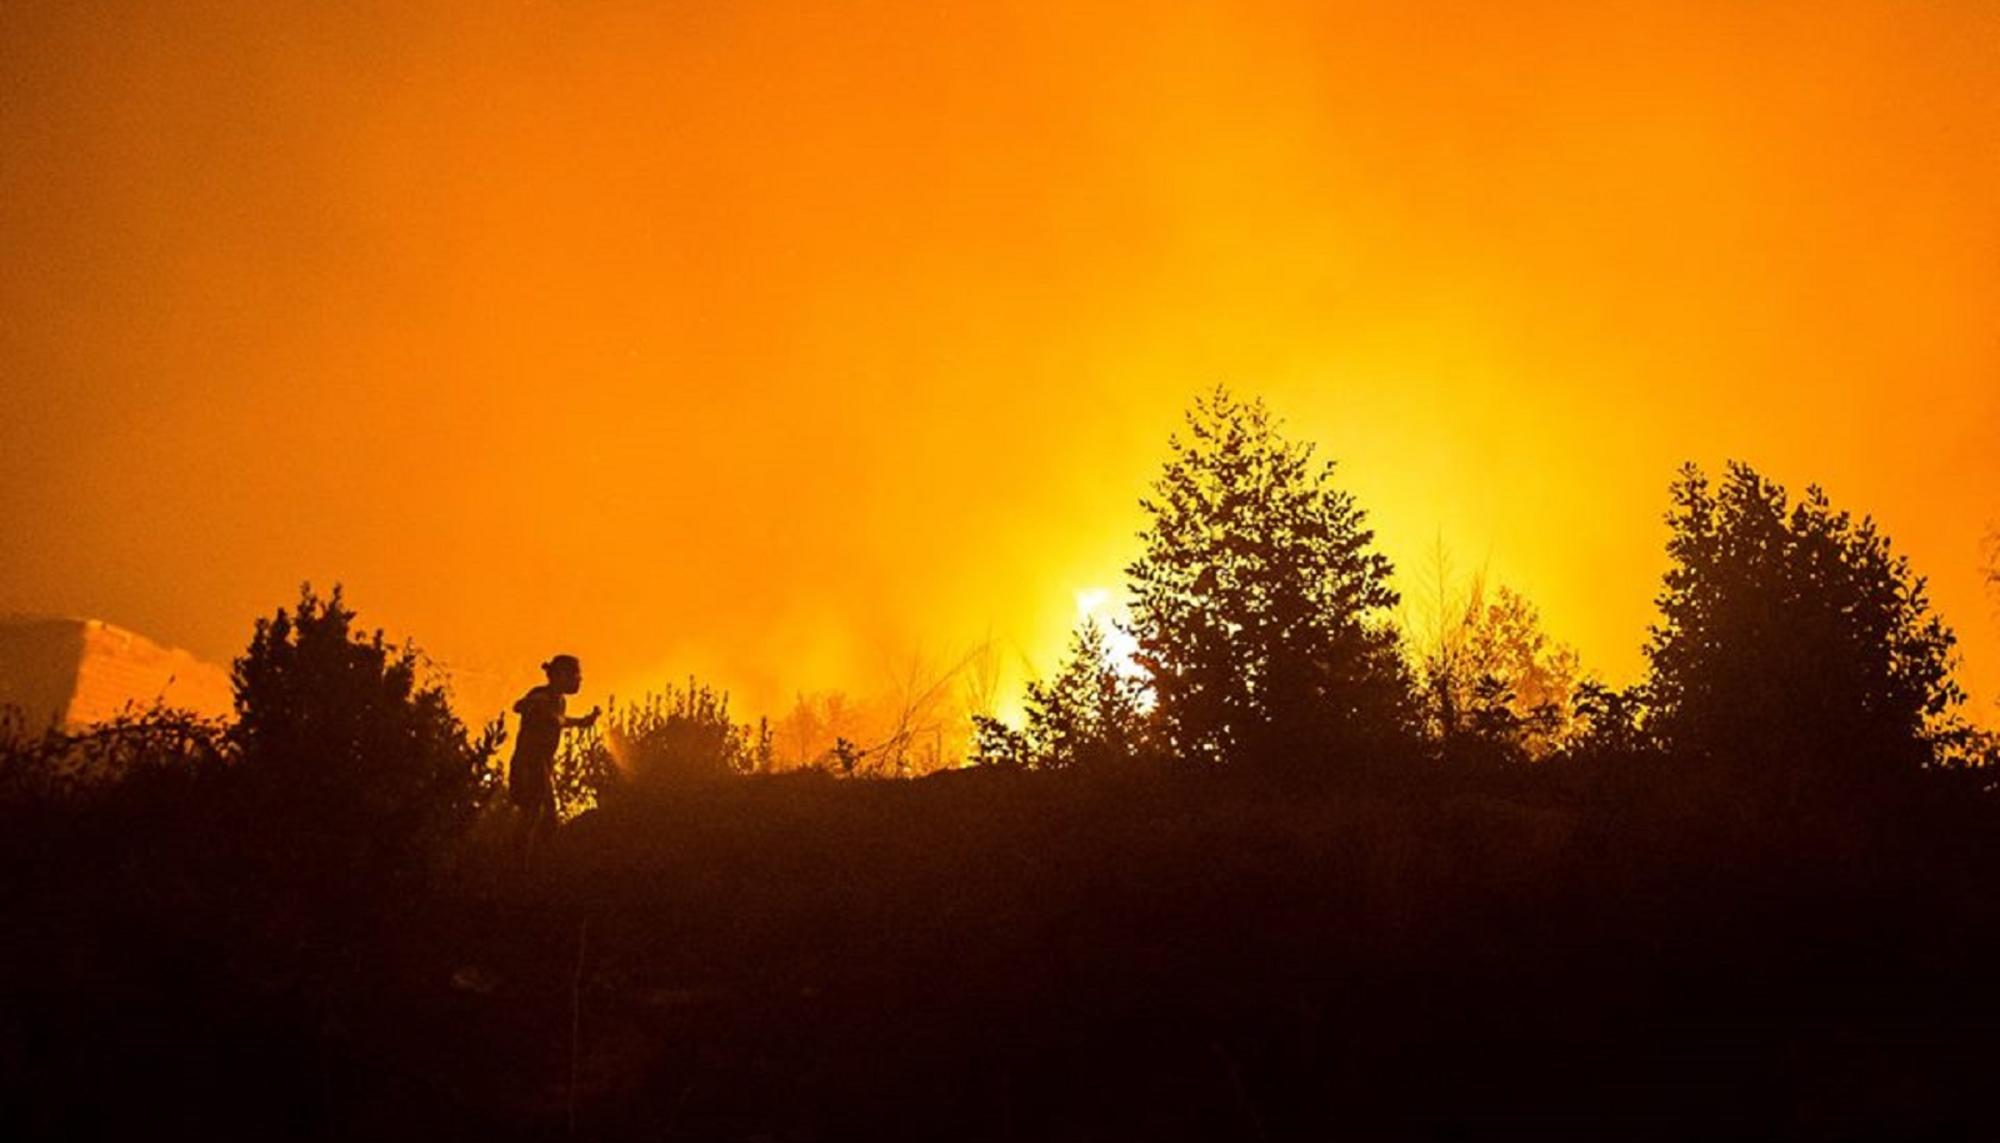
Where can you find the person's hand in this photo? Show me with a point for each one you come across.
(591, 718)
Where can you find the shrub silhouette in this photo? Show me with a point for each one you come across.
(1608, 721)
(1258, 604)
(585, 775)
(1794, 647)
(678, 736)
(354, 756)
(1089, 714)
(155, 744)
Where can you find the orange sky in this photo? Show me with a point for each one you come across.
(784, 342)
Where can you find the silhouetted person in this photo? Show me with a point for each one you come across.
(531, 775)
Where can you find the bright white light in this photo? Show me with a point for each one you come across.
(1090, 602)
(1095, 603)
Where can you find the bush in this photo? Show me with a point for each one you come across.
(157, 744)
(677, 737)
(350, 748)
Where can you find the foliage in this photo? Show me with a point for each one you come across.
(1790, 633)
(1607, 721)
(1258, 603)
(352, 746)
(1526, 682)
(1090, 714)
(1971, 757)
(585, 775)
(995, 743)
(138, 745)
(1493, 683)
(674, 737)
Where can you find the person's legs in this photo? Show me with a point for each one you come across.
(538, 824)
(527, 823)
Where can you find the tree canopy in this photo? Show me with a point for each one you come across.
(1258, 601)
(1089, 714)
(1792, 633)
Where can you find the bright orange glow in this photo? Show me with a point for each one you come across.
(780, 343)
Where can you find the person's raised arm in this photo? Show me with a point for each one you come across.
(584, 720)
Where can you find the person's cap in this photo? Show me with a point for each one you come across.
(562, 662)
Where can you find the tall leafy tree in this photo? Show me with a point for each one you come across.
(1258, 602)
(1792, 640)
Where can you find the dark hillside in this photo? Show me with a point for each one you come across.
(1031, 955)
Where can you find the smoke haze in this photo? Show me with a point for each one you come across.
(791, 344)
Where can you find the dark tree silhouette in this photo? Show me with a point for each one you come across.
(352, 745)
(1090, 714)
(1793, 642)
(1608, 721)
(1258, 603)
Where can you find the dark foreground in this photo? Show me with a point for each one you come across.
(1021, 956)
